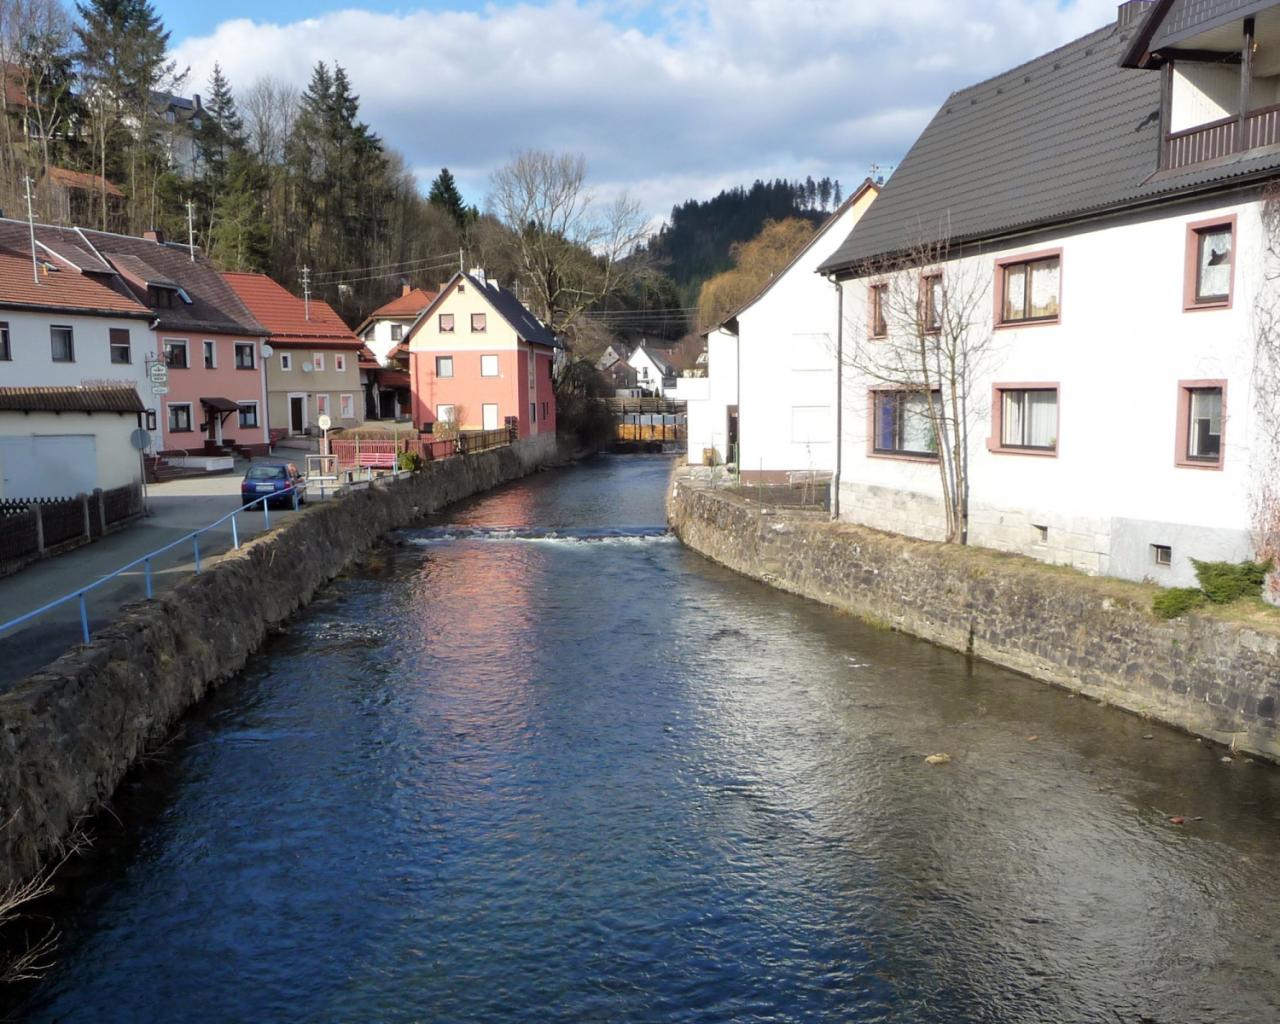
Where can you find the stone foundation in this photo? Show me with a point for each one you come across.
(1216, 678)
(72, 730)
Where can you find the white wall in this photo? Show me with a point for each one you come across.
(788, 378)
(708, 415)
(33, 366)
(61, 455)
(378, 337)
(1122, 345)
(1204, 93)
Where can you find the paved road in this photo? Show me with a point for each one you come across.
(177, 508)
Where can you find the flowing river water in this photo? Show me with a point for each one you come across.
(537, 762)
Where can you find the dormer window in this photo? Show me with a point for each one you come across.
(159, 298)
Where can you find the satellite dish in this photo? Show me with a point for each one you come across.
(323, 421)
(267, 351)
(306, 367)
(140, 439)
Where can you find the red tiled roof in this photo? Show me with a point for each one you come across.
(80, 180)
(402, 307)
(63, 288)
(284, 314)
(70, 399)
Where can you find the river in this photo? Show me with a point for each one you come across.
(537, 762)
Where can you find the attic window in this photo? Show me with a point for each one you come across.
(161, 298)
(182, 294)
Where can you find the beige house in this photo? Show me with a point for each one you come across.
(314, 366)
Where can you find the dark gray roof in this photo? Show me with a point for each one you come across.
(70, 399)
(1068, 134)
(524, 323)
(1190, 17)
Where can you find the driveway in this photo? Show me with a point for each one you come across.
(177, 508)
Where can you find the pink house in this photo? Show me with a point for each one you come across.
(480, 359)
(213, 347)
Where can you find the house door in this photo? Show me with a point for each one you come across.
(490, 416)
(297, 414)
(731, 435)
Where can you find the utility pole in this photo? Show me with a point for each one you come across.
(460, 262)
(191, 230)
(31, 226)
(306, 292)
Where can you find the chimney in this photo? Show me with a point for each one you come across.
(154, 235)
(196, 99)
(478, 274)
(1131, 12)
(405, 288)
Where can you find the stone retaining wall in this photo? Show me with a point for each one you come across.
(1215, 678)
(71, 731)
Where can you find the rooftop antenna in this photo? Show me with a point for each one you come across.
(306, 292)
(31, 225)
(461, 264)
(191, 230)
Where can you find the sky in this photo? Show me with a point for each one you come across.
(667, 101)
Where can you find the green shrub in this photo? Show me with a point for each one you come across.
(410, 461)
(1224, 582)
(1169, 604)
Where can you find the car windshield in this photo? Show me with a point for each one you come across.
(265, 473)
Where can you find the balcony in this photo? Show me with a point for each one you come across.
(1221, 138)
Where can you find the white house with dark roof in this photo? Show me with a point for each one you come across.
(1092, 222)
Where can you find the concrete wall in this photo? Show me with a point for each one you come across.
(1118, 354)
(1207, 675)
(73, 730)
(97, 445)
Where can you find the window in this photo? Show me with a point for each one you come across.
(160, 298)
(1030, 289)
(317, 361)
(1026, 418)
(64, 346)
(478, 322)
(397, 332)
(489, 416)
(533, 412)
(544, 411)
(322, 405)
(6, 350)
(879, 296)
(446, 323)
(245, 357)
(248, 414)
(121, 351)
(488, 366)
(175, 353)
(444, 366)
(1209, 264)
(445, 413)
(1201, 412)
(286, 361)
(1162, 554)
(347, 407)
(933, 300)
(340, 363)
(210, 355)
(180, 417)
(903, 425)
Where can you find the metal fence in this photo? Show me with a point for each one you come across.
(384, 453)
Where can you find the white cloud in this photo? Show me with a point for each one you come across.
(717, 92)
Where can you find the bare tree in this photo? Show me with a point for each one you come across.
(927, 342)
(569, 245)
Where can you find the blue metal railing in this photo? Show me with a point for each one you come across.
(146, 560)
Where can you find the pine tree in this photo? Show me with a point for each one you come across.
(824, 192)
(837, 196)
(239, 239)
(444, 193)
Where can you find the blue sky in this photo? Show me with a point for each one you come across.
(666, 100)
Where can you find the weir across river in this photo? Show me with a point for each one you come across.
(537, 762)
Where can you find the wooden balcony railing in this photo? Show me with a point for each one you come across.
(1219, 138)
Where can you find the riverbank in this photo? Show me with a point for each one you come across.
(1212, 677)
(73, 729)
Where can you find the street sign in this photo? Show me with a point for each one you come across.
(159, 389)
(140, 439)
(323, 421)
(158, 372)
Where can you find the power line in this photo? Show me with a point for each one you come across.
(381, 277)
(390, 266)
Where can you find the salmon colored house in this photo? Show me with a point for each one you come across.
(480, 359)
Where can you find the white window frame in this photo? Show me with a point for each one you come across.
(286, 362)
(347, 406)
(441, 360)
(322, 404)
(497, 415)
(317, 362)
(446, 413)
(340, 363)
(209, 352)
(176, 343)
(168, 418)
(483, 363)
(257, 419)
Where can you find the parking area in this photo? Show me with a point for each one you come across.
(176, 508)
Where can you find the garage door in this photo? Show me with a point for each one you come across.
(48, 465)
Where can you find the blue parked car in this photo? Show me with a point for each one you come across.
(279, 480)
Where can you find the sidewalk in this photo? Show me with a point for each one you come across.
(177, 508)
